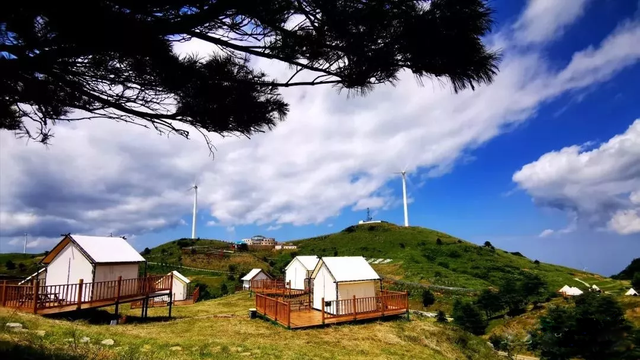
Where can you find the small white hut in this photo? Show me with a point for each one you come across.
(298, 271)
(254, 274)
(595, 288)
(564, 289)
(574, 291)
(632, 292)
(339, 278)
(180, 287)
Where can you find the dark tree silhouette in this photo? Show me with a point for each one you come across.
(69, 61)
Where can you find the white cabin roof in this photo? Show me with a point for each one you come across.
(348, 268)
(564, 289)
(180, 276)
(308, 261)
(107, 249)
(251, 274)
(631, 292)
(574, 291)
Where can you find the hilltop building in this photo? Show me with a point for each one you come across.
(260, 240)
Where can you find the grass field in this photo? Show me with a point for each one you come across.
(221, 329)
(25, 264)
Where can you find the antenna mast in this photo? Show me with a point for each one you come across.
(369, 218)
(404, 198)
(195, 210)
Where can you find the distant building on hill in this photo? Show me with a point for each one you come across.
(369, 219)
(260, 241)
(285, 247)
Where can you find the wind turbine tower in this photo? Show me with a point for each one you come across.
(404, 197)
(195, 210)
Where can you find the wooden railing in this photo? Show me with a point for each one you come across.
(387, 301)
(36, 297)
(275, 287)
(277, 310)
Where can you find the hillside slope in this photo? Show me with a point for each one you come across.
(431, 257)
(220, 328)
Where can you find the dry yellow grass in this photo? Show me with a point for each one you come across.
(221, 329)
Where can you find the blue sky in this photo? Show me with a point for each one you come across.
(484, 165)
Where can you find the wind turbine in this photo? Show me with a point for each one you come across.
(404, 196)
(195, 208)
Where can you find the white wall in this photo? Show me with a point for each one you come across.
(68, 267)
(110, 272)
(296, 273)
(179, 289)
(323, 287)
(360, 290)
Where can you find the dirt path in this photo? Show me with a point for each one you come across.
(519, 357)
(576, 279)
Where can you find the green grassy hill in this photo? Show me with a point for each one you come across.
(221, 329)
(15, 265)
(418, 256)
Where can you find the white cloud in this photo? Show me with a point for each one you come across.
(635, 197)
(594, 184)
(274, 227)
(546, 233)
(625, 222)
(544, 20)
(332, 153)
(211, 223)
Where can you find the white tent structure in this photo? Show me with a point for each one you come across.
(180, 287)
(564, 289)
(341, 278)
(574, 291)
(595, 288)
(632, 292)
(92, 259)
(299, 270)
(254, 274)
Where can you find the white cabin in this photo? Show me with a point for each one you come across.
(254, 274)
(180, 287)
(631, 292)
(92, 259)
(299, 271)
(342, 278)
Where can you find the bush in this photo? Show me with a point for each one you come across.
(224, 290)
(231, 277)
(469, 317)
(635, 282)
(428, 298)
(438, 241)
(443, 264)
(232, 268)
(10, 265)
(441, 317)
(401, 245)
(146, 251)
(22, 267)
(536, 262)
(497, 341)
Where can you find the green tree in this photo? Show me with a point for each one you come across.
(438, 241)
(595, 328)
(10, 265)
(532, 287)
(224, 290)
(635, 282)
(490, 302)
(469, 317)
(57, 62)
(510, 293)
(428, 298)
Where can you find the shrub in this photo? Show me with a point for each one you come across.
(459, 241)
(438, 241)
(497, 341)
(22, 267)
(146, 251)
(469, 317)
(10, 265)
(443, 264)
(428, 298)
(224, 290)
(454, 254)
(232, 268)
(401, 245)
(635, 282)
(536, 262)
(231, 277)
(437, 274)
(441, 317)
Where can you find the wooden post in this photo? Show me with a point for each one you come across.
(170, 294)
(406, 293)
(36, 286)
(289, 315)
(322, 305)
(355, 312)
(382, 303)
(276, 314)
(4, 293)
(80, 282)
(118, 287)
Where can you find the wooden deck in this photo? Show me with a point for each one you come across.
(275, 287)
(49, 299)
(295, 315)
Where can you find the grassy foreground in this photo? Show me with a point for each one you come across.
(221, 329)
